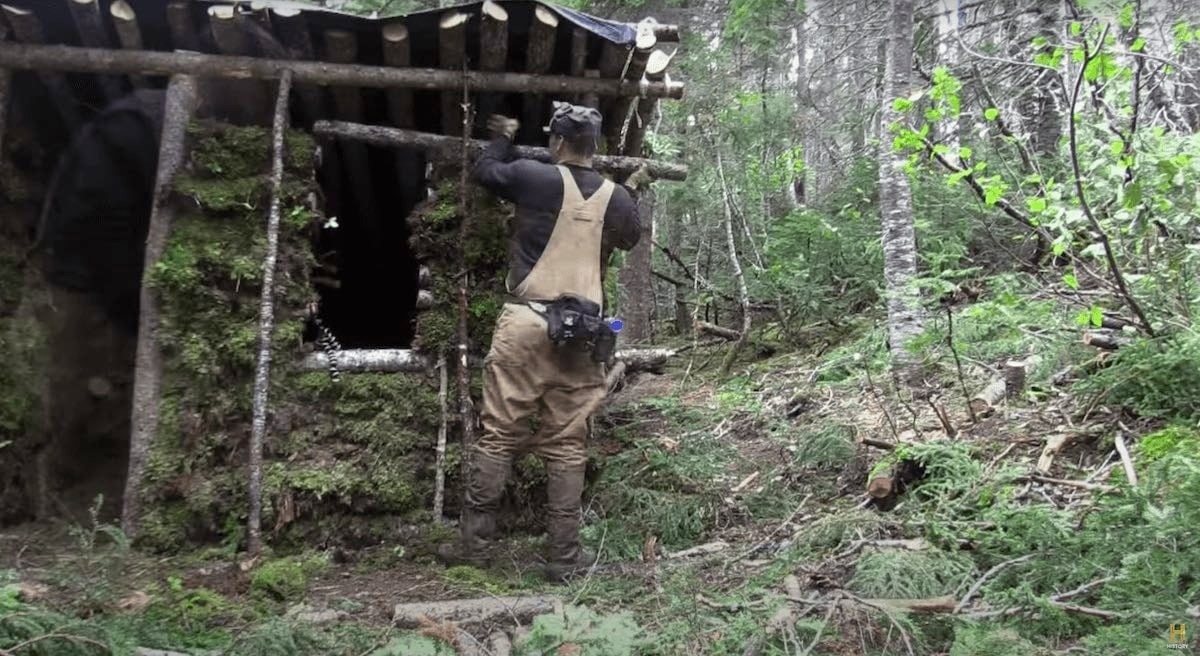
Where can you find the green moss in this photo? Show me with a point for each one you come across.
(1172, 439)
(164, 527)
(228, 151)
(286, 578)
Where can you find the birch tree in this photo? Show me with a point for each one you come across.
(895, 198)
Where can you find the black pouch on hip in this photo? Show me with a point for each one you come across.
(575, 322)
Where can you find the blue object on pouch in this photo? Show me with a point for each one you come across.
(615, 324)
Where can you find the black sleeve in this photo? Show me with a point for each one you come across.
(498, 170)
(622, 226)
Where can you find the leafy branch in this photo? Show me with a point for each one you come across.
(1101, 234)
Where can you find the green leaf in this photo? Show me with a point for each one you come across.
(1076, 28)
(991, 113)
(1117, 147)
(933, 115)
(964, 153)
(1036, 204)
(1070, 280)
(1058, 248)
(1139, 44)
(1097, 316)
(1125, 17)
(1083, 319)
(993, 194)
(1133, 195)
(1040, 42)
(901, 104)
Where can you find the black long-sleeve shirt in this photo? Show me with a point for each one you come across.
(537, 191)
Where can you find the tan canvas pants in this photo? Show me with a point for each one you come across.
(525, 373)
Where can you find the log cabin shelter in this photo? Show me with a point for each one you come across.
(389, 100)
(509, 57)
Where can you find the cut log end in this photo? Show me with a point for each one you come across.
(17, 12)
(395, 32)
(453, 19)
(122, 11)
(658, 63)
(984, 403)
(646, 38)
(494, 11)
(880, 487)
(545, 16)
(221, 12)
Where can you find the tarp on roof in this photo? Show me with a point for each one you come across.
(614, 31)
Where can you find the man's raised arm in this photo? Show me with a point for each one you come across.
(497, 169)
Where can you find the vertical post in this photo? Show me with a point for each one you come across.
(452, 55)
(539, 56)
(266, 321)
(229, 32)
(182, 27)
(614, 126)
(439, 477)
(341, 47)
(493, 51)
(128, 33)
(147, 380)
(92, 34)
(26, 28)
(5, 84)
(466, 406)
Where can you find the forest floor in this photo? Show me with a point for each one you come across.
(732, 517)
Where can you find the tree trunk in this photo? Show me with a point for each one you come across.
(637, 283)
(266, 322)
(147, 381)
(1045, 122)
(804, 113)
(899, 238)
(743, 292)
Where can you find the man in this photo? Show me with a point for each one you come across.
(569, 218)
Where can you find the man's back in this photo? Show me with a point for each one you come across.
(536, 188)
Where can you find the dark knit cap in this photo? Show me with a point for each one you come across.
(571, 121)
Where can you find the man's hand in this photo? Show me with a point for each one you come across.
(503, 126)
(639, 178)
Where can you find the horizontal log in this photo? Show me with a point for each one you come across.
(449, 148)
(370, 361)
(358, 361)
(663, 33)
(1105, 340)
(984, 403)
(472, 611)
(716, 331)
(102, 61)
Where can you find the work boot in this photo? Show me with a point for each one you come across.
(488, 476)
(473, 547)
(565, 556)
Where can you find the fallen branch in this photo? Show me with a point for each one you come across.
(699, 550)
(1126, 460)
(1054, 444)
(717, 331)
(1094, 487)
(746, 482)
(472, 611)
(983, 579)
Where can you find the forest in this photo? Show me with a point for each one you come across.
(910, 364)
